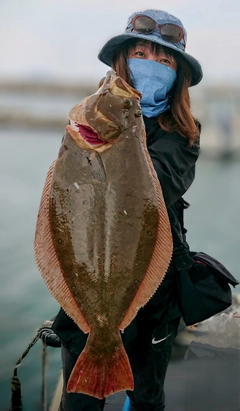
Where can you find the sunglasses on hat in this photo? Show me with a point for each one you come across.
(146, 25)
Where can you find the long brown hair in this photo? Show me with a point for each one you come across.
(179, 117)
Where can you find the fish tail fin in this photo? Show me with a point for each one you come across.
(100, 375)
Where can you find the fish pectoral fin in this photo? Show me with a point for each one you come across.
(97, 166)
(100, 375)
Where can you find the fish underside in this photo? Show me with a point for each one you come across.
(103, 240)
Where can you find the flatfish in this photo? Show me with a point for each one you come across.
(103, 240)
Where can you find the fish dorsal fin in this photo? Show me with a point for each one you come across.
(47, 260)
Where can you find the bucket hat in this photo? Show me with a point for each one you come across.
(108, 51)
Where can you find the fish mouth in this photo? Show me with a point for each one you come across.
(87, 133)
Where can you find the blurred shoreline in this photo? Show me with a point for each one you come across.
(41, 87)
(29, 104)
(40, 105)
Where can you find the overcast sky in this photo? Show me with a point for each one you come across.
(60, 39)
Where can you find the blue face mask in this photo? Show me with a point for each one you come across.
(154, 81)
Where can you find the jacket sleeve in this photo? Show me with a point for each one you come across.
(174, 162)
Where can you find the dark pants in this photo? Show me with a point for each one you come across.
(149, 356)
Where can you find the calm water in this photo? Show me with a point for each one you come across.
(25, 303)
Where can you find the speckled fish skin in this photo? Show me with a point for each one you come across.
(103, 240)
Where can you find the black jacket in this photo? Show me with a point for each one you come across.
(174, 161)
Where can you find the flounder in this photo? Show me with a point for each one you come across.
(103, 239)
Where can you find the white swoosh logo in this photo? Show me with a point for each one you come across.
(158, 341)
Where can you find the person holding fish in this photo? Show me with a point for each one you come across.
(150, 58)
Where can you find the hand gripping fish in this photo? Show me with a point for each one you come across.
(103, 240)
